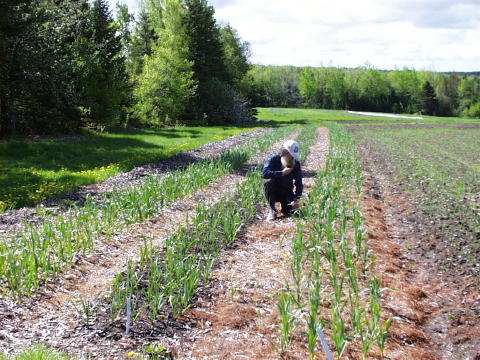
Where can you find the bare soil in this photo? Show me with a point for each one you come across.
(436, 314)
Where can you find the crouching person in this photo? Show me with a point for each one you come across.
(283, 173)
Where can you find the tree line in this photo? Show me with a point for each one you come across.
(66, 64)
(366, 88)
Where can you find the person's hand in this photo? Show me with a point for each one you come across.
(287, 171)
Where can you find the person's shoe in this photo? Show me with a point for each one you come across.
(271, 215)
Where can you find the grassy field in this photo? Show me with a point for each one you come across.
(33, 171)
(303, 116)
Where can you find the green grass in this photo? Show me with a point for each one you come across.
(38, 353)
(316, 116)
(33, 171)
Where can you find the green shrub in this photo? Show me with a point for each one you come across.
(474, 110)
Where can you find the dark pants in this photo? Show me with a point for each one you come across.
(275, 193)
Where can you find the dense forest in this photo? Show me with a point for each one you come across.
(67, 64)
(366, 88)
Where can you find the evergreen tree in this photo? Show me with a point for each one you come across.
(5, 16)
(429, 99)
(166, 84)
(207, 56)
(39, 75)
(14, 41)
(206, 50)
(141, 44)
(236, 55)
(105, 83)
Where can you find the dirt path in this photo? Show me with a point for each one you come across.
(436, 316)
(236, 317)
(54, 315)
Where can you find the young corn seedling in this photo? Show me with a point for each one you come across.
(312, 323)
(287, 319)
(383, 335)
(339, 333)
(297, 266)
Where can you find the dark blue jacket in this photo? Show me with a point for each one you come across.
(273, 170)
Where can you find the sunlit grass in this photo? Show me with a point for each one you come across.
(38, 353)
(316, 116)
(32, 171)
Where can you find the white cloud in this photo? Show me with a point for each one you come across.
(440, 35)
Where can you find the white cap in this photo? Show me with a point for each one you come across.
(293, 148)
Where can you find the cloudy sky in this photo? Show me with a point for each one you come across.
(439, 35)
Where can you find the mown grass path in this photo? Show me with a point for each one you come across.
(57, 313)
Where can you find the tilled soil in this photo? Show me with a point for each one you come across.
(436, 314)
(55, 317)
(448, 224)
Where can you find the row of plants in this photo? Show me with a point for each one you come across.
(333, 286)
(32, 256)
(164, 281)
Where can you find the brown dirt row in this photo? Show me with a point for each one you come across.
(54, 316)
(236, 316)
(435, 315)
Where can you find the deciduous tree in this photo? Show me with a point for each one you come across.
(166, 84)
